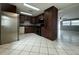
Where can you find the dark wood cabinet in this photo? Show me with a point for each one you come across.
(29, 29)
(38, 20)
(8, 7)
(33, 20)
(23, 18)
(50, 23)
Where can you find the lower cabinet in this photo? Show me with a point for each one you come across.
(33, 29)
(29, 29)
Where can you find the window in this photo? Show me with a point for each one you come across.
(75, 22)
(66, 23)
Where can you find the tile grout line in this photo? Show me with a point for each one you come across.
(24, 47)
(40, 46)
(47, 47)
(65, 51)
(30, 49)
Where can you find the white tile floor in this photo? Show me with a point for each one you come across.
(32, 44)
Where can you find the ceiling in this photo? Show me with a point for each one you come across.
(41, 6)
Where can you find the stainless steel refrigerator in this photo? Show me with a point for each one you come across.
(9, 27)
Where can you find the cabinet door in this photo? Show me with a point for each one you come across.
(29, 30)
(46, 20)
(8, 7)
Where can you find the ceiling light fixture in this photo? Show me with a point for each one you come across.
(26, 13)
(32, 7)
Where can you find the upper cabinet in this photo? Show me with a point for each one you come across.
(8, 7)
(38, 19)
(24, 18)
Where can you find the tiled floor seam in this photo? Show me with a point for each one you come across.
(30, 50)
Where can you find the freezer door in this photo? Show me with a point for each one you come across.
(9, 27)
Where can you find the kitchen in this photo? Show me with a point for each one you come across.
(35, 29)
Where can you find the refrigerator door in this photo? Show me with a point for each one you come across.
(9, 27)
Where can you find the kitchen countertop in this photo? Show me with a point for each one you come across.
(30, 25)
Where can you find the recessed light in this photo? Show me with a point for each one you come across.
(32, 7)
(26, 13)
